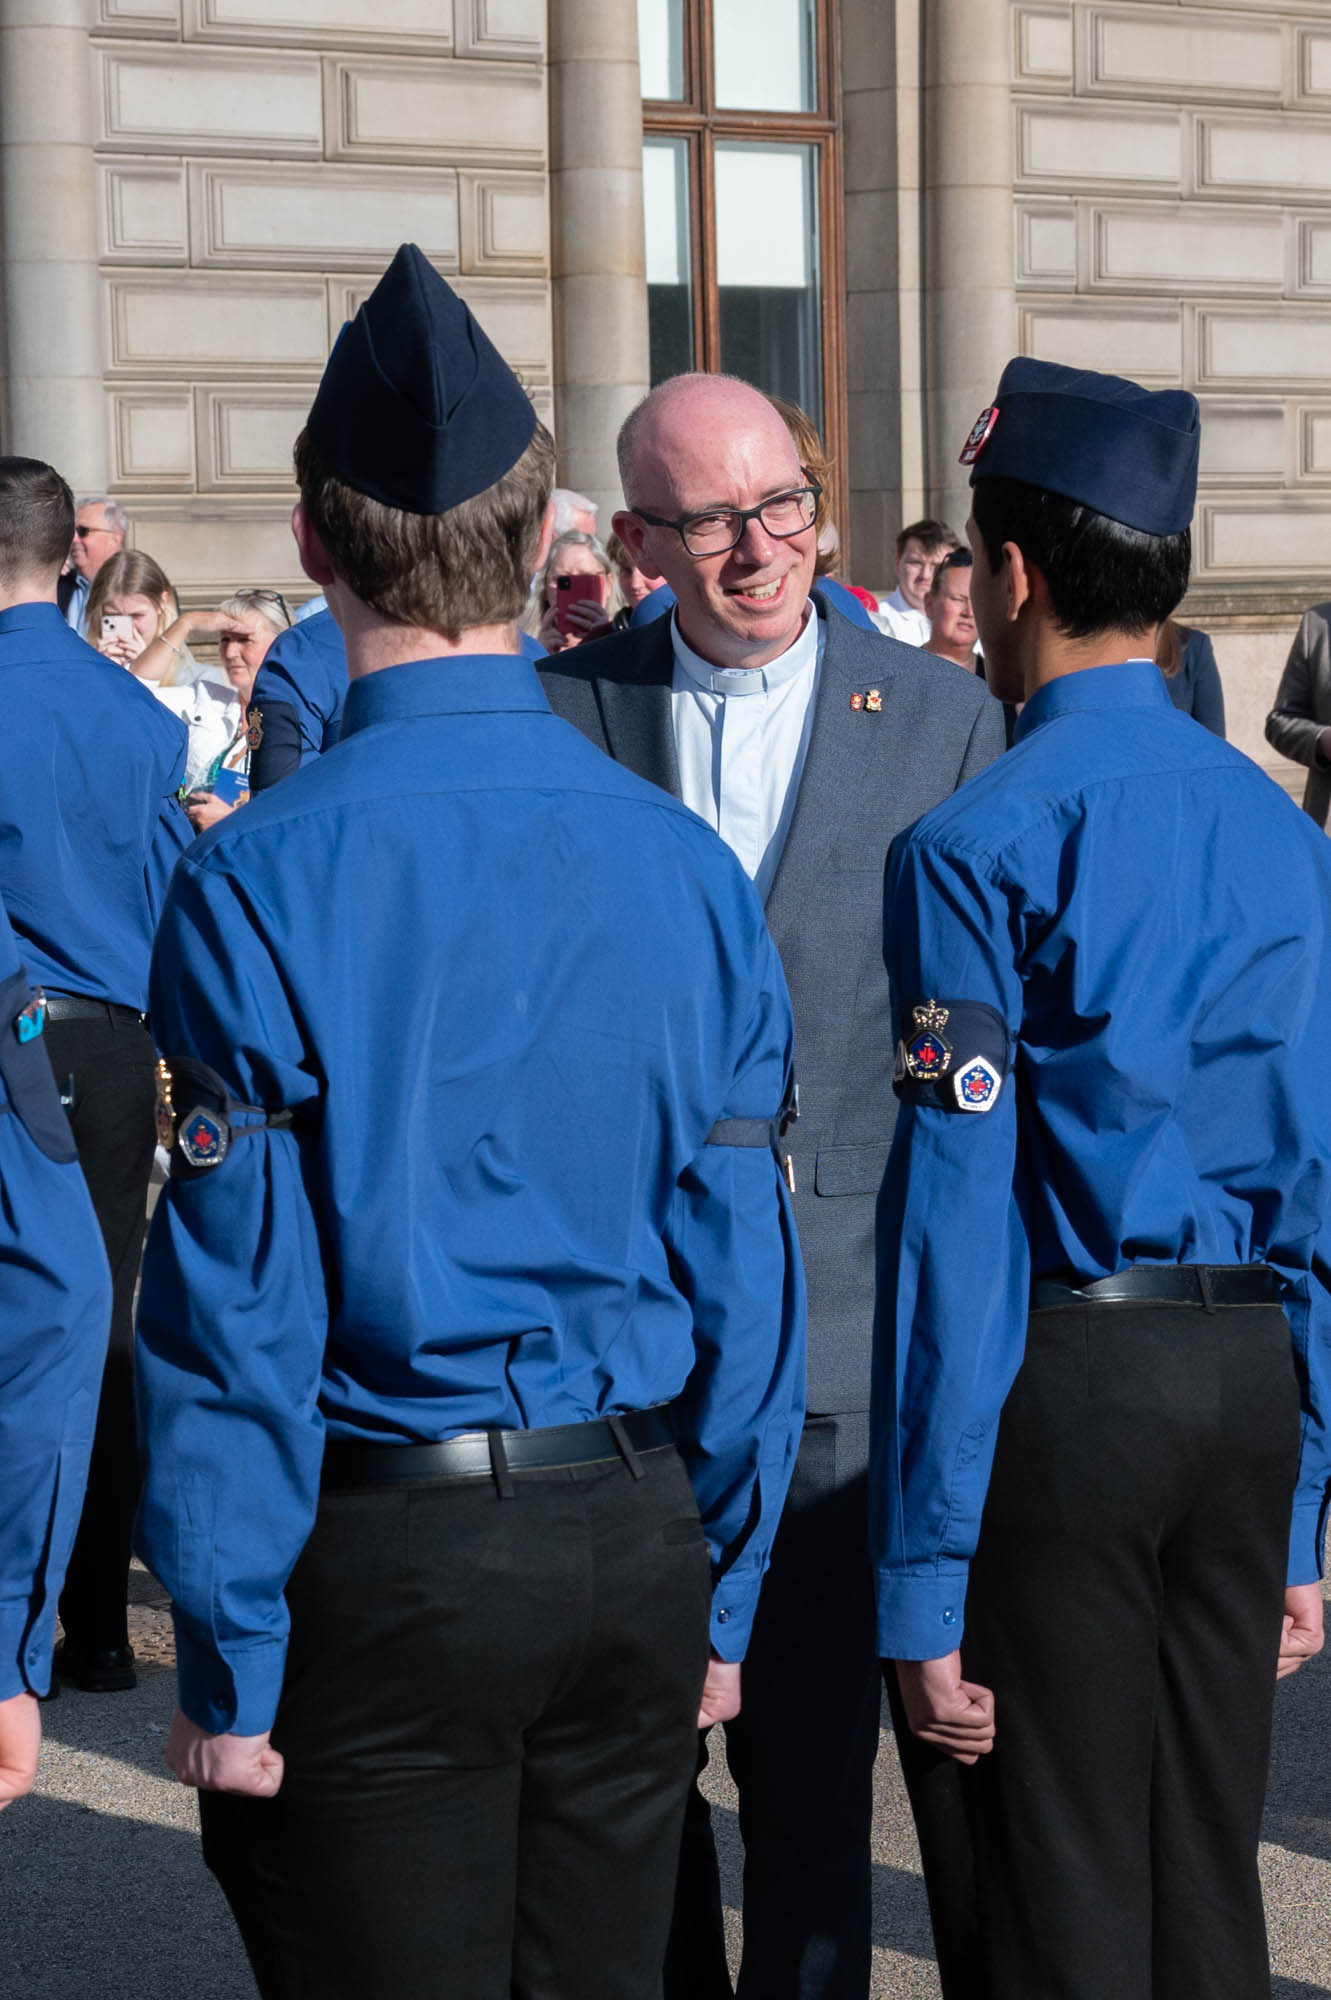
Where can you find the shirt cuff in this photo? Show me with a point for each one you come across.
(921, 1615)
(236, 1697)
(734, 1602)
(1307, 1539)
(26, 1645)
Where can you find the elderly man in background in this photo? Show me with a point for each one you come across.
(807, 743)
(574, 512)
(920, 548)
(1299, 725)
(100, 528)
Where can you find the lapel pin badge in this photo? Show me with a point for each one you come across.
(873, 702)
(857, 701)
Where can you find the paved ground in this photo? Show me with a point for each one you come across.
(102, 1891)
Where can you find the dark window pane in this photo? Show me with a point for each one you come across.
(665, 197)
(767, 270)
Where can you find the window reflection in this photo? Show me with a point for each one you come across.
(767, 264)
(661, 48)
(765, 55)
(665, 199)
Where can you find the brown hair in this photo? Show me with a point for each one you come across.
(1169, 641)
(442, 572)
(932, 534)
(131, 573)
(818, 466)
(36, 519)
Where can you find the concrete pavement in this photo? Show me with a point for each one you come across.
(103, 1893)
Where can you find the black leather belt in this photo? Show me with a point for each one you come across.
(493, 1454)
(78, 1007)
(1165, 1284)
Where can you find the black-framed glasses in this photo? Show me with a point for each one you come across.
(248, 596)
(722, 528)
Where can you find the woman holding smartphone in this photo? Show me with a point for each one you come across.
(216, 712)
(576, 593)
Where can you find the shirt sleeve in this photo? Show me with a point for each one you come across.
(953, 1263)
(55, 1310)
(232, 1316)
(736, 1258)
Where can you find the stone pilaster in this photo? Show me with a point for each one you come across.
(599, 265)
(970, 311)
(52, 302)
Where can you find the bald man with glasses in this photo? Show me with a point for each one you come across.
(808, 744)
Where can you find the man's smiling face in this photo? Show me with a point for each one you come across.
(710, 443)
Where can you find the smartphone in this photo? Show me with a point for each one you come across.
(574, 590)
(117, 625)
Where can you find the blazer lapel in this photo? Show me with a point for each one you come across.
(843, 745)
(635, 712)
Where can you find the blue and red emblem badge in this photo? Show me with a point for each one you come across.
(927, 1053)
(977, 1085)
(203, 1138)
(980, 433)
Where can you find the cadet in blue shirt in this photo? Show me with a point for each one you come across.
(475, 1284)
(90, 828)
(55, 1302)
(1092, 1418)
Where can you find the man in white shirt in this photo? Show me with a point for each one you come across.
(100, 528)
(808, 743)
(920, 548)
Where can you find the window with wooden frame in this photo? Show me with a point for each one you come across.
(742, 196)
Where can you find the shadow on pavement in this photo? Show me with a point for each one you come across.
(900, 1908)
(99, 1904)
(1298, 1815)
(130, 1728)
(1294, 1989)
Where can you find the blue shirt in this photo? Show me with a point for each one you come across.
(300, 692)
(55, 1308)
(90, 827)
(507, 988)
(662, 599)
(1147, 916)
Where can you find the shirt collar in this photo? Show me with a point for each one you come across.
(462, 684)
(798, 658)
(1129, 684)
(30, 617)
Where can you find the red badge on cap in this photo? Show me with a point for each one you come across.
(981, 432)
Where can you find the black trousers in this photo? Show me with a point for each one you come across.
(801, 1752)
(1125, 1606)
(107, 1066)
(489, 1721)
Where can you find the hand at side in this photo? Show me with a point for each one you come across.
(247, 1764)
(954, 1715)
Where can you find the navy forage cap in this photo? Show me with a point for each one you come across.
(417, 407)
(1128, 452)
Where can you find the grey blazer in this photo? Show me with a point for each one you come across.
(867, 775)
(1303, 707)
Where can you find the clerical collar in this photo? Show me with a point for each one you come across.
(799, 657)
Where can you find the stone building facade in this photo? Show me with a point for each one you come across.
(195, 193)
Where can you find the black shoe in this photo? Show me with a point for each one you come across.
(109, 1672)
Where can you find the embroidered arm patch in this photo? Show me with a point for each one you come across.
(955, 1054)
(197, 1119)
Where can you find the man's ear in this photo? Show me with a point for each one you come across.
(1019, 582)
(313, 556)
(546, 542)
(632, 532)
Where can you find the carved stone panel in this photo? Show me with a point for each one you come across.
(1243, 442)
(505, 223)
(1143, 341)
(177, 325)
(425, 25)
(160, 98)
(453, 110)
(319, 218)
(1042, 48)
(139, 17)
(501, 30)
(1162, 52)
(246, 435)
(1274, 157)
(1171, 247)
(1062, 144)
(141, 212)
(1046, 245)
(152, 439)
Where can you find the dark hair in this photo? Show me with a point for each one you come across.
(933, 534)
(956, 559)
(36, 519)
(445, 572)
(1101, 575)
